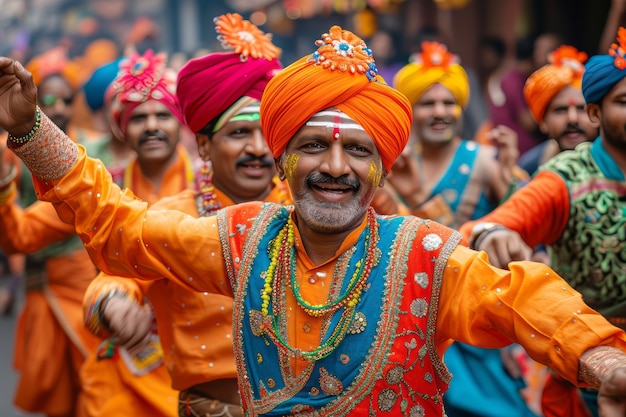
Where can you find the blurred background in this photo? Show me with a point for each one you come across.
(185, 27)
(485, 34)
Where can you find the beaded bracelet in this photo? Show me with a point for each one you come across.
(23, 139)
(6, 181)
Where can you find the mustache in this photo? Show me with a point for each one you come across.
(148, 135)
(322, 178)
(266, 162)
(573, 129)
(446, 120)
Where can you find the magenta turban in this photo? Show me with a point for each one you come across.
(209, 85)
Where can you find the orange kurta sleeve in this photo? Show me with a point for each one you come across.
(530, 305)
(538, 212)
(122, 236)
(31, 229)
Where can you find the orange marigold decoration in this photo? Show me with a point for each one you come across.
(344, 51)
(568, 56)
(435, 54)
(618, 50)
(245, 38)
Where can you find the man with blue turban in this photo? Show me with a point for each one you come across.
(575, 205)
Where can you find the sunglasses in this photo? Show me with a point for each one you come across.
(51, 99)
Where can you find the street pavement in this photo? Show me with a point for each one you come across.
(8, 376)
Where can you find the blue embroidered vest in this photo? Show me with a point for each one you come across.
(388, 366)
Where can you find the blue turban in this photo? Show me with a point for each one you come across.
(96, 87)
(600, 76)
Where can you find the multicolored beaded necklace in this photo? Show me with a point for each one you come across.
(283, 264)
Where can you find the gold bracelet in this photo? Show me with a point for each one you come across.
(23, 139)
(596, 364)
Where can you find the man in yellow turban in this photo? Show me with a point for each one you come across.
(452, 180)
(556, 101)
(337, 311)
(442, 176)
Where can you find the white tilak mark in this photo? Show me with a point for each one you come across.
(333, 125)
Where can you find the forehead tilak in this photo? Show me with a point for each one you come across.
(333, 119)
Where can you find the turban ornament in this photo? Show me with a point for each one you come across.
(140, 78)
(604, 71)
(565, 68)
(340, 74)
(434, 65)
(216, 86)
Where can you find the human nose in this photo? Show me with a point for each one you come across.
(335, 162)
(572, 113)
(257, 144)
(439, 109)
(152, 123)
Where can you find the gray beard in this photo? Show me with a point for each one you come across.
(328, 217)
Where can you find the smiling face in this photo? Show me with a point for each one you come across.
(566, 119)
(333, 168)
(243, 166)
(152, 131)
(436, 116)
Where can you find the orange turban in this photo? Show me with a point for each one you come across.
(54, 62)
(433, 65)
(340, 74)
(565, 69)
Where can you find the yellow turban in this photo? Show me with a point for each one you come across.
(565, 69)
(433, 65)
(340, 74)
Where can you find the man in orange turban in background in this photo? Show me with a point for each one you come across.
(556, 101)
(337, 311)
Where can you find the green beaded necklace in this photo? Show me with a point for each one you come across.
(282, 254)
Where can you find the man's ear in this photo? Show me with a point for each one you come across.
(381, 184)
(204, 145)
(280, 169)
(595, 114)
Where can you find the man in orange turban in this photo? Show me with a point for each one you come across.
(555, 99)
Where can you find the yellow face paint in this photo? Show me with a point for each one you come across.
(457, 111)
(374, 175)
(291, 163)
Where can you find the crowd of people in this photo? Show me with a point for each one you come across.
(239, 236)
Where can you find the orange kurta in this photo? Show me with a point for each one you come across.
(52, 386)
(50, 324)
(111, 388)
(195, 328)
